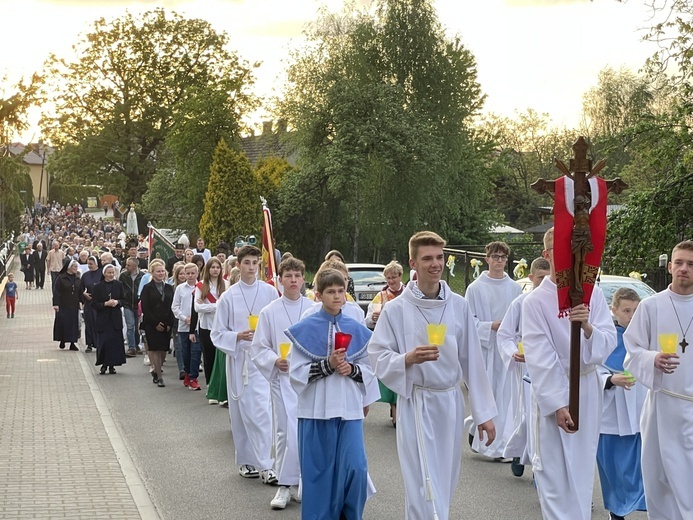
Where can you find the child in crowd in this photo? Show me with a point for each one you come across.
(618, 454)
(330, 383)
(11, 292)
(182, 308)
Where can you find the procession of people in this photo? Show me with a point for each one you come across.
(299, 374)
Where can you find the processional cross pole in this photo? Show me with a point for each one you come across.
(576, 223)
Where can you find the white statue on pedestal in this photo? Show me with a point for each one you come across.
(131, 222)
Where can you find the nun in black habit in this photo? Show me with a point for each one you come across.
(67, 295)
(107, 301)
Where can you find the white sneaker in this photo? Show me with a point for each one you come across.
(295, 495)
(281, 499)
(268, 476)
(225, 404)
(213, 401)
(146, 360)
(247, 471)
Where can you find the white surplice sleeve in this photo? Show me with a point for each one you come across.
(509, 335)
(602, 342)
(262, 350)
(222, 334)
(549, 381)
(481, 401)
(299, 370)
(483, 327)
(386, 352)
(640, 357)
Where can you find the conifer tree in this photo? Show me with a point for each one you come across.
(232, 202)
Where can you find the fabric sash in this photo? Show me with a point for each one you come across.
(564, 220)
(210, 296)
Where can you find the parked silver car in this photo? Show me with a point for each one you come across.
(368, 281)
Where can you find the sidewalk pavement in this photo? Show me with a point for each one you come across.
(61, 455)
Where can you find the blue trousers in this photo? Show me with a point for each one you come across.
(192, 354)
(334, 470)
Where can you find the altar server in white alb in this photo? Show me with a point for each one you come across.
(618, 455)
(564, 460)
(664, 323)
(250, 407)
(269, 353)
(512, 354)
(489, 297)
(424, 346)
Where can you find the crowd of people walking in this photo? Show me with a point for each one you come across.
(299, 370)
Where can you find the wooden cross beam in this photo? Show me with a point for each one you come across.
(580, 171)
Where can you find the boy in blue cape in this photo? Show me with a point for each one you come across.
(331, 386)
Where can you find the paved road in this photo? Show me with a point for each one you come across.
(86, 446)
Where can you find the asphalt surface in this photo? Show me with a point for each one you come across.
(183, 449)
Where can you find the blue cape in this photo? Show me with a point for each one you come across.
(314, 337)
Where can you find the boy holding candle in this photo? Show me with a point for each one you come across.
(331, 375)
(427, 379)
(250, 408)
(269, 353)
(618, 454)
(512, 353)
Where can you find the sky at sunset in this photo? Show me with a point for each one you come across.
(540, 54)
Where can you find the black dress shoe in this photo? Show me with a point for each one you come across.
(73, 347)
(103, 370)
(155, 378)
(62, 345)
(517, 468)
(111, 370)
(88, 349)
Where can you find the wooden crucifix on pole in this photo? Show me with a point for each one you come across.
(579, 235)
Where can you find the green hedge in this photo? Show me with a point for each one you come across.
(72, 193)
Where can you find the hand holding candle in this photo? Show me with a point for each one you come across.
(436, 333)
(252, 322)
(342, 340)
(284, 349)
(667, 343)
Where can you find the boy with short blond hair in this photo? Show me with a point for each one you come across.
(618, 453)
(182, 309)
(427, 379)
(331, 448)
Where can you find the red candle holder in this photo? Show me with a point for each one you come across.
(342, 340)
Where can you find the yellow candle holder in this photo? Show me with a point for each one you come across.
(436, 333)
(284, 349)
(252, 321)
(667, 342)
(521, 348)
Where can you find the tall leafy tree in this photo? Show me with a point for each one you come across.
(232, 201)
(175, 195)
(527, 146)
(132, 80)
(382, 106)
(14, 176)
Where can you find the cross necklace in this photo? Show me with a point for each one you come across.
(683, 343)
